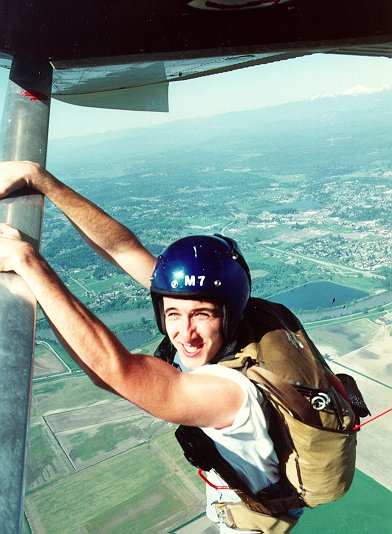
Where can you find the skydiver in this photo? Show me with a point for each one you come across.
(201, 312)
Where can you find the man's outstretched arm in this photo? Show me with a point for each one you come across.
(105, 235)
(155, 386)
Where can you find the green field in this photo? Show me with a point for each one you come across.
(87, 446)
(67, 393)
(45, 462)
(62, 354)
(346, 337)
(366, 509)
(258, 273)
(141, 487)
(110, 473)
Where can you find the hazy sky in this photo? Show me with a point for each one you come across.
(251, 88)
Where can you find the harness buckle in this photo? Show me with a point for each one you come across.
(224, 515)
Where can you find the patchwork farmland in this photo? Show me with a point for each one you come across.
(107, 461)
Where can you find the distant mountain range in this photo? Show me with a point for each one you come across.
(324, 133)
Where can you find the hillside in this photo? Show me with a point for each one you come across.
(347, 130)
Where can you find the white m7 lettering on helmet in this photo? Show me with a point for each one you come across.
(190, 280)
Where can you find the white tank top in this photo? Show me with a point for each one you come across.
(246, 444)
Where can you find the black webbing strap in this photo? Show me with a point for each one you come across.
(200, 450)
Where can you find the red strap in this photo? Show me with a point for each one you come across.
(205, 479)
(357, 427)
(336, 383)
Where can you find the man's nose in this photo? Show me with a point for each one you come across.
(188, 330)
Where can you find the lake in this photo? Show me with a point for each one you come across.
(316, 295)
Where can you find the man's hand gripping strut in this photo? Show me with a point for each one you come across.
(13, 250)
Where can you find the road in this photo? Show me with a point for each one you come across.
(342, 268)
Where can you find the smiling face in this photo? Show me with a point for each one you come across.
(195, 329)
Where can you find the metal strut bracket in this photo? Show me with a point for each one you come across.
(24, 135)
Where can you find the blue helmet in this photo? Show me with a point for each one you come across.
(209, 268)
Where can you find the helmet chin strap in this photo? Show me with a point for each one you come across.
(229, 348)
(162, 317)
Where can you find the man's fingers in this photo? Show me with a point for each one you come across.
(7, 230)
(13, 176)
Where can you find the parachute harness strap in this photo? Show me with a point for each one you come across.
(205, 479)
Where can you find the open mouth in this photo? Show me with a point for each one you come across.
(191, 351)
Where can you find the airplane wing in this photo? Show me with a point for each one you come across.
(124, 56)
(143, 85)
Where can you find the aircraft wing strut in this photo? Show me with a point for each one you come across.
(24, 134)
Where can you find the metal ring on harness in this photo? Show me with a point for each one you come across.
(320, 401)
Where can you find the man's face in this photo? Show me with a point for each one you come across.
(195, 329)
